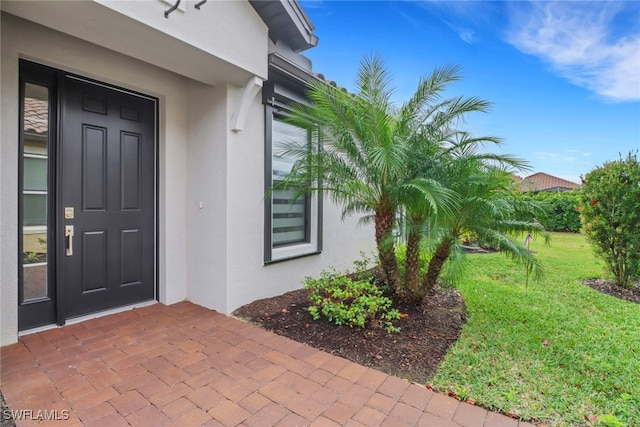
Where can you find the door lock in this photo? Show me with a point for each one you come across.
(68, 234)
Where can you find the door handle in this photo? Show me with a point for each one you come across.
(68, 234)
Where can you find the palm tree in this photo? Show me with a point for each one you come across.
(438, 143)
(363, 146)
(384, 162)
(486, 209)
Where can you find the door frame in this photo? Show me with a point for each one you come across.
(55, 217)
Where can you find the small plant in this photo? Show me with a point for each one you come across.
(610, 420)
(462, 393)
(31, 257)
(350, 299)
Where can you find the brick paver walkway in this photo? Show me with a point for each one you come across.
(184, 365)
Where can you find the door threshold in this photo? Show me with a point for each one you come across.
(88, 317)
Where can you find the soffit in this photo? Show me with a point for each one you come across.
(287, 22)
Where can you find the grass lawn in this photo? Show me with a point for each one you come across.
(587, 374)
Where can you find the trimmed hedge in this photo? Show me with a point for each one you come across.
(561, 210)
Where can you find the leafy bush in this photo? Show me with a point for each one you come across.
(560, 210)
(610, 207)
(351, 299)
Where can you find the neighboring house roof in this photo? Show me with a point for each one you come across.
(287, 22)
(544, 182)
(36, 115)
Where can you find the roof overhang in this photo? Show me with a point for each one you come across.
(287, 22)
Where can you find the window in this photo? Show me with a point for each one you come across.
(292, 225)
(35, 188)
(290, 215)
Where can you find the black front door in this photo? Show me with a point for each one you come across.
(87, 197)
(107, 198)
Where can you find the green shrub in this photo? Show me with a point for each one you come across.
(350, 299)
(610, 207)
(560, 210)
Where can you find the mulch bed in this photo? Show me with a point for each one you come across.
(610, 288)
(414, 353)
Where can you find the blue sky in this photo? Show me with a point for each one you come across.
(563, 77)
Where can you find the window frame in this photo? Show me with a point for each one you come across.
(38, 75)
(313, 204)
(306, 198)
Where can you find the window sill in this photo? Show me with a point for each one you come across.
(291, 257)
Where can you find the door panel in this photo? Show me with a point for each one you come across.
(94, 168)
(131, 173)
(107, 150)
(94, 260)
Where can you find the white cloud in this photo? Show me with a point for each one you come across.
(463, 17)
(406, 16)
(577, 152)
(555, 157)
(312, 4)
(580, 42)
(466, 34)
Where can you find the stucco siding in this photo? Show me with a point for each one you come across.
(214, 28)
(207, 196)
(225, 41)
(8, 191)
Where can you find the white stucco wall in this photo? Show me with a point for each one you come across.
(207, 195)
(214, 28)
(8, 195)
(225, 36)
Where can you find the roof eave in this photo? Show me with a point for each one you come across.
(288, 22)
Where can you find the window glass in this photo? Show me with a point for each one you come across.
(289, 215)
(35, 173)
(35, 187)
(35, 210)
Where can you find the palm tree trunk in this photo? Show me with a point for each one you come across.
(384, 219)
(435, 266)
(412, 288)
